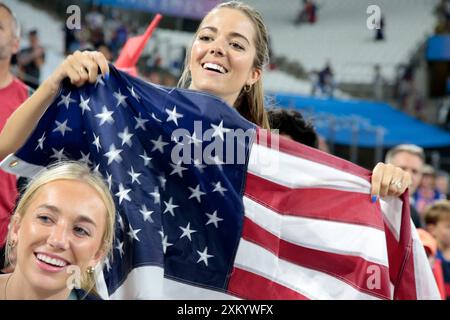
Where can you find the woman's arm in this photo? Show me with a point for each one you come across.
(80, 68)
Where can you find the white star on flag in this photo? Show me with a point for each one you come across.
(170, 207)
(66, 100)
(154, 117)
(219, 130)
(96, 142)
(187, 231)
(133, 94)
(120, 221)
(126, 136)
(120, 248)
(105, 116)
(113, 154)
(162, 181)
(84, 104)
(133, 233)
(158, 144)
(165, 243)
(59, 155)
(196, 193)
(62, 127)
(146, 158)
(120, 99)
(178, 169)
(134, 176)
(123, 194)
(85, 158)
(173, 115)
(204, 256)
(198, 164)
(99, 81)
(146, 214)
(193, 140)
(109, 180)
(214, 219)
(218, 188)
(41, 142)
(156, 196)
(140, 123)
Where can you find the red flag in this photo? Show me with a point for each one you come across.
(133, 48)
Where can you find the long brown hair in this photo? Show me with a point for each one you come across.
(250, 102)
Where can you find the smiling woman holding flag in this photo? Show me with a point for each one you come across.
(226, 61)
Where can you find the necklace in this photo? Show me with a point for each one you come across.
(6, 286)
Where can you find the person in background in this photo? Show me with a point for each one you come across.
(437, 219)
(410, 158)
(31, 60)
(427, 193)
(430, 246)
(292, 125)
(442, 181)
(12, 93)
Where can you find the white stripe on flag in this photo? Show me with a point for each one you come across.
(392, 211)
(309, 283)
(329, 236)
(313, 174)
(14, 165)
(145, 283)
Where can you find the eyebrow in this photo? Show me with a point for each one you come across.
(80, 218)
(233, 34)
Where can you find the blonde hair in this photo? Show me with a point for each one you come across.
(250, 103)
(437, 211)
(69, 170)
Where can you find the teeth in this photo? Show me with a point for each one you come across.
(49, 260)
(214, 67)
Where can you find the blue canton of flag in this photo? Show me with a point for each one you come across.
(183, 218)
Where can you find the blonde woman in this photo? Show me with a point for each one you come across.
(62, 228)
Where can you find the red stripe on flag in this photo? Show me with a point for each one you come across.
(342, 206)
(353, 270)
(248, 285)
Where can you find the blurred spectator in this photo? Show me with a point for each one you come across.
(291, 124)
(13, 93)
(437, 219)
(31, 59)
(307, 12)
(71, 43)
(430, 246)
(442, 181)
(94, 18)
(380, 30)
(326, 82)
(408, 96)
(410, 158)
(427, 193)
(103, 48)
(378, 83)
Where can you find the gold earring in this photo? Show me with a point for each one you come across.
(247, 88)
(11, 244)
(90, 270)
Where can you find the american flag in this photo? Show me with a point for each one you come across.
(199, 217)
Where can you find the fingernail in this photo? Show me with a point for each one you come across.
(374, 199)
